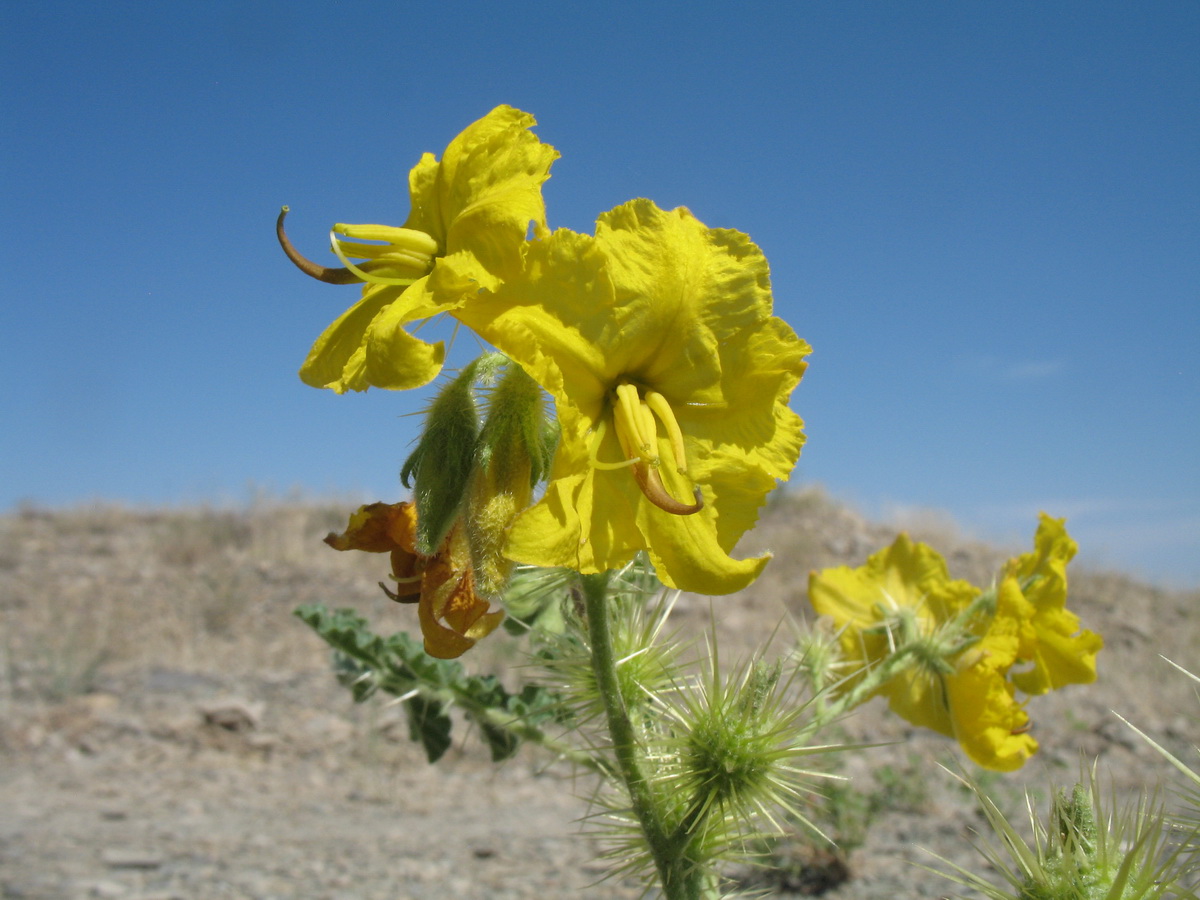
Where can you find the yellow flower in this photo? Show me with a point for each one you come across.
(956, 683)
(452, 616)
(980, 705)
(470, 215)
(670, 378)
(908, 578)
(1060, 652)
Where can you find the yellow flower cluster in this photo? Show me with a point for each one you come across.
(654, 336)
(964, 652)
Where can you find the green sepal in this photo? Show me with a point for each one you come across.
(510, 458)
(439, 469)
(513, 437)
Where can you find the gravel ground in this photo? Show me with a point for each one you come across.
(168, 730)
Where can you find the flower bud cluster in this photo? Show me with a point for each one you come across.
(472, 473)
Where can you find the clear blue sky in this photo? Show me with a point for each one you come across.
(985, 218)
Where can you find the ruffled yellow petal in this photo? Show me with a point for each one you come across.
(337, 360)
(919, 696)
(989, 723)
(662, 307)
(486, 193)
(1061, 654)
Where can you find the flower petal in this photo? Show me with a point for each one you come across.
(1063, 654)
(486, 191)
(337, 359)
(659, 301)
(988, 721)
(378, 528)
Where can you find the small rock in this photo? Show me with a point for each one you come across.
(233, 714)
(130, 858)
(106, 889)
(262, 741)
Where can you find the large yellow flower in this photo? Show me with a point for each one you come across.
(470, 215)
(954, 684)
(670, 378)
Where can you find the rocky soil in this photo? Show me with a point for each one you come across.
(169, 730)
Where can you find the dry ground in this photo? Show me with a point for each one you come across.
(168, 729)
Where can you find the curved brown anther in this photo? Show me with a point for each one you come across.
(307, 266)
(651, 484)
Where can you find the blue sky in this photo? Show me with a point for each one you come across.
(984, 217)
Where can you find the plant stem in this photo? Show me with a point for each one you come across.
(680, 878)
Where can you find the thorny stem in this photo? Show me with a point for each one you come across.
(680, 877)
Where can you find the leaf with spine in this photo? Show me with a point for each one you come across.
(398, 665)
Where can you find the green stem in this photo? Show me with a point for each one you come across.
(876, 677)
(680, 878)
(893, 664)
(533, 734)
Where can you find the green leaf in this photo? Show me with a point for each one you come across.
(429, 724)
(366, 663)
(502, 742)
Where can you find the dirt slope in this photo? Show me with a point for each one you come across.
(168, 729)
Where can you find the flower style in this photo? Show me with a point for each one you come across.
(670, 378)
(452, 616)
(470, 215)
(956, 683)
(1061, 653)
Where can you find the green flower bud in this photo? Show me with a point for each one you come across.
(439, 470)
(510, 458)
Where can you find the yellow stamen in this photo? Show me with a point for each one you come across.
(649, 432)
(382, 251)
(404, 250)
(627, 417)
(404, 238)
(658, 403)
(636, 422)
